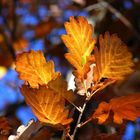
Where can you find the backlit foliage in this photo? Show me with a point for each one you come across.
(34, 69)
(80, 44)
(47, 104)
(94, 68)
(113, 60)
(123, 108)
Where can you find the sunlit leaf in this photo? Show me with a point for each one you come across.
(113, 60)
(80, 44)
(33, 68)
(47, 104)
(123, 108)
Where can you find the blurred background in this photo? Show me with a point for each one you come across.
(38, 25)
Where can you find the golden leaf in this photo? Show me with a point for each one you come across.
(126, 107)
(48, 105)
(80, 44)
(113, 60)
(33, 68)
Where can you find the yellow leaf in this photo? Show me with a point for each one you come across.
(127, 107)
(34, 70)
(79, 42)
(113, 60)
(47, 104)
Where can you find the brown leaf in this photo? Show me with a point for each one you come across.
(113, 60)
(20, 44)
(44, 28)
(126, 107)
(83, 86)
(34, 70)
(47, 104)
(6, 58)
(5, 128)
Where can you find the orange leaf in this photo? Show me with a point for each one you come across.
(60, 86)
(126, 107)
(80, 43)
(33, 68)
(113, 60)
(47, 104)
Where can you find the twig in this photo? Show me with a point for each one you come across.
(33, 128)
(103, 4)
(118, 14)
(84, 123)
(79, 119)
(78, 108)
(93, 94)
(25, 132)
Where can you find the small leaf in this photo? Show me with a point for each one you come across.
(47, 104)
(34, 70)
(83, 86)
(79, 42)
(126, 107)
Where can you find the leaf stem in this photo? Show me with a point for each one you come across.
(79, 119)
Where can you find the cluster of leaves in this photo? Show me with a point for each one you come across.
(37, 25)
(94, 69)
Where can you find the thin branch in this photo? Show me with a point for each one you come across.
(118, 14)
(33, 128)
(79, 119)
(103, 4)
(78, 108)
(84, 123)
(93, 94)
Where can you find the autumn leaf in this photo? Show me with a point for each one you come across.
(6, 58)
(5, 128)
(34, 70)
(113, 60)
(44, 28)
(20, 44)
(80, 44)
(83, 86)
(47, 104)
(123, 108)
(60, 86)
